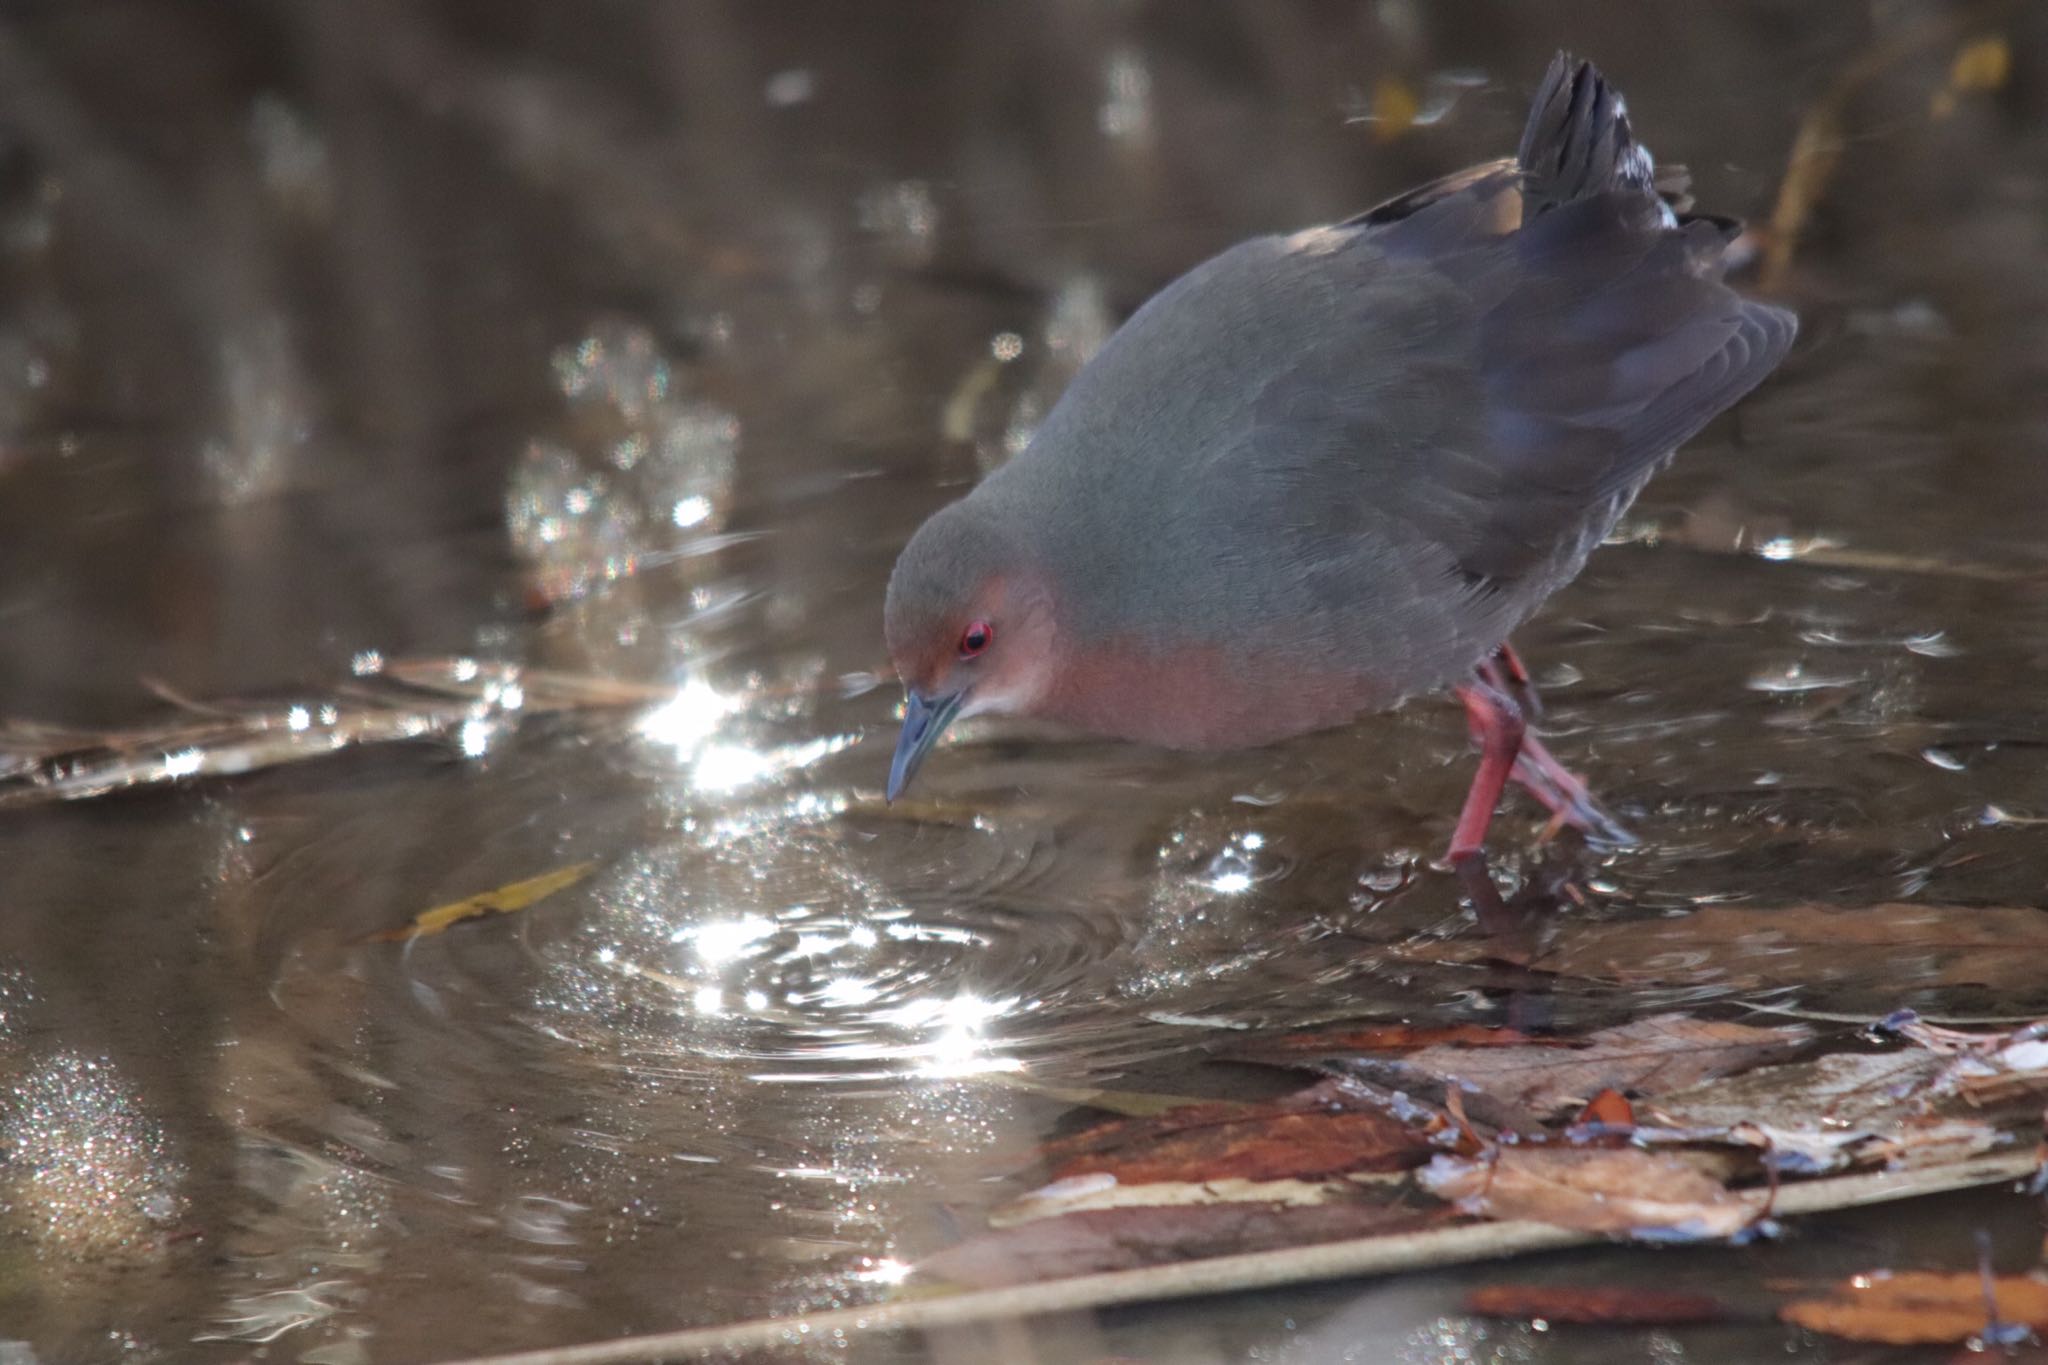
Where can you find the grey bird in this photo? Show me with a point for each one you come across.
(1327, 471)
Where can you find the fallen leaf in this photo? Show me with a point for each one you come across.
(1394, 107)
(1122, 1239)
(1811, 1116)
(1094, 1193)
(1985, 64)
(1593, 1304)
(1129, 1103)
(1982, 1068)
(1351, 1042)
(1328, 1129)
(1653, 1196)
(1920, 1308)
(505, 900)
(1650, 1056)
(1747, 948)
(1608, 1109)
(1824, 132)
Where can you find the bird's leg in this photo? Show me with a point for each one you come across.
(1560, 790)
(1496, 723)
(1505, 670)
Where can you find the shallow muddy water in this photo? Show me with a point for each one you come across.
(630, 342)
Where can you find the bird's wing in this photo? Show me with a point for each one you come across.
(1595, 322)
(1603, 339)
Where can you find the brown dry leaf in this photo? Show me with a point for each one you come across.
(1608, 1109)
(1648, 1057)
(1746, 948)
(503, 901)
(1920, 1308)
(1328, 1129)
(1595, 1304)
(1652, 1196)
(1121, 1239)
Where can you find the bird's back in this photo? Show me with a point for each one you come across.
(1368, 451)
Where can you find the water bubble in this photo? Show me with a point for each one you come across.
(1126, 110)
(904, 215)
(617, 362)
(637, 465)
(89, 1172)
(789, 88)
(291, 157)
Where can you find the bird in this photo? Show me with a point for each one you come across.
(1332, 469)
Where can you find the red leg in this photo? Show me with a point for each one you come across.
(1535, 768)
(1515, 680)
(1496, 723)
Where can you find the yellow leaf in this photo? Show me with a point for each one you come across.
(1394, 107)
(506, 900)
(1983, 65)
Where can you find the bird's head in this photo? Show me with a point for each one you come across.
(970, 629)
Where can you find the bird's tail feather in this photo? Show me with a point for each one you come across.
(1578, 142)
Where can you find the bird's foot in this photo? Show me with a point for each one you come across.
(1566, 797)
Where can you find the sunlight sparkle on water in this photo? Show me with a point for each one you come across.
(688, 718)
(474, 738)
(959, 1049)
(724, 940)
(885, 1270)
(728, 767)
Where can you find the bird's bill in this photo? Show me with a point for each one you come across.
(923, 723)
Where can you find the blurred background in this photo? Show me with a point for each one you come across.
(553, 385)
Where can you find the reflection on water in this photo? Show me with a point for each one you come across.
(610, 364)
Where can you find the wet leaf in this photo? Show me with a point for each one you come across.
(1328, 1129)
(1123, 1239)
(1656, 1196)
(506, 900)
(1352, 1042)
(1849, 1109)
(1129, 1103)
(1094, 1193)
(1608, 1109)
(1747, 948)
(1920, 1308)
(1984, 1069)
(1648, 1057)
(1595, 1304)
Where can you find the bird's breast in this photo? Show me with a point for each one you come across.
(1200, 696)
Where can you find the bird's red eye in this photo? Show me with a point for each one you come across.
(976, 638)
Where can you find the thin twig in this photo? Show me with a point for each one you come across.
(1225, 1274)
